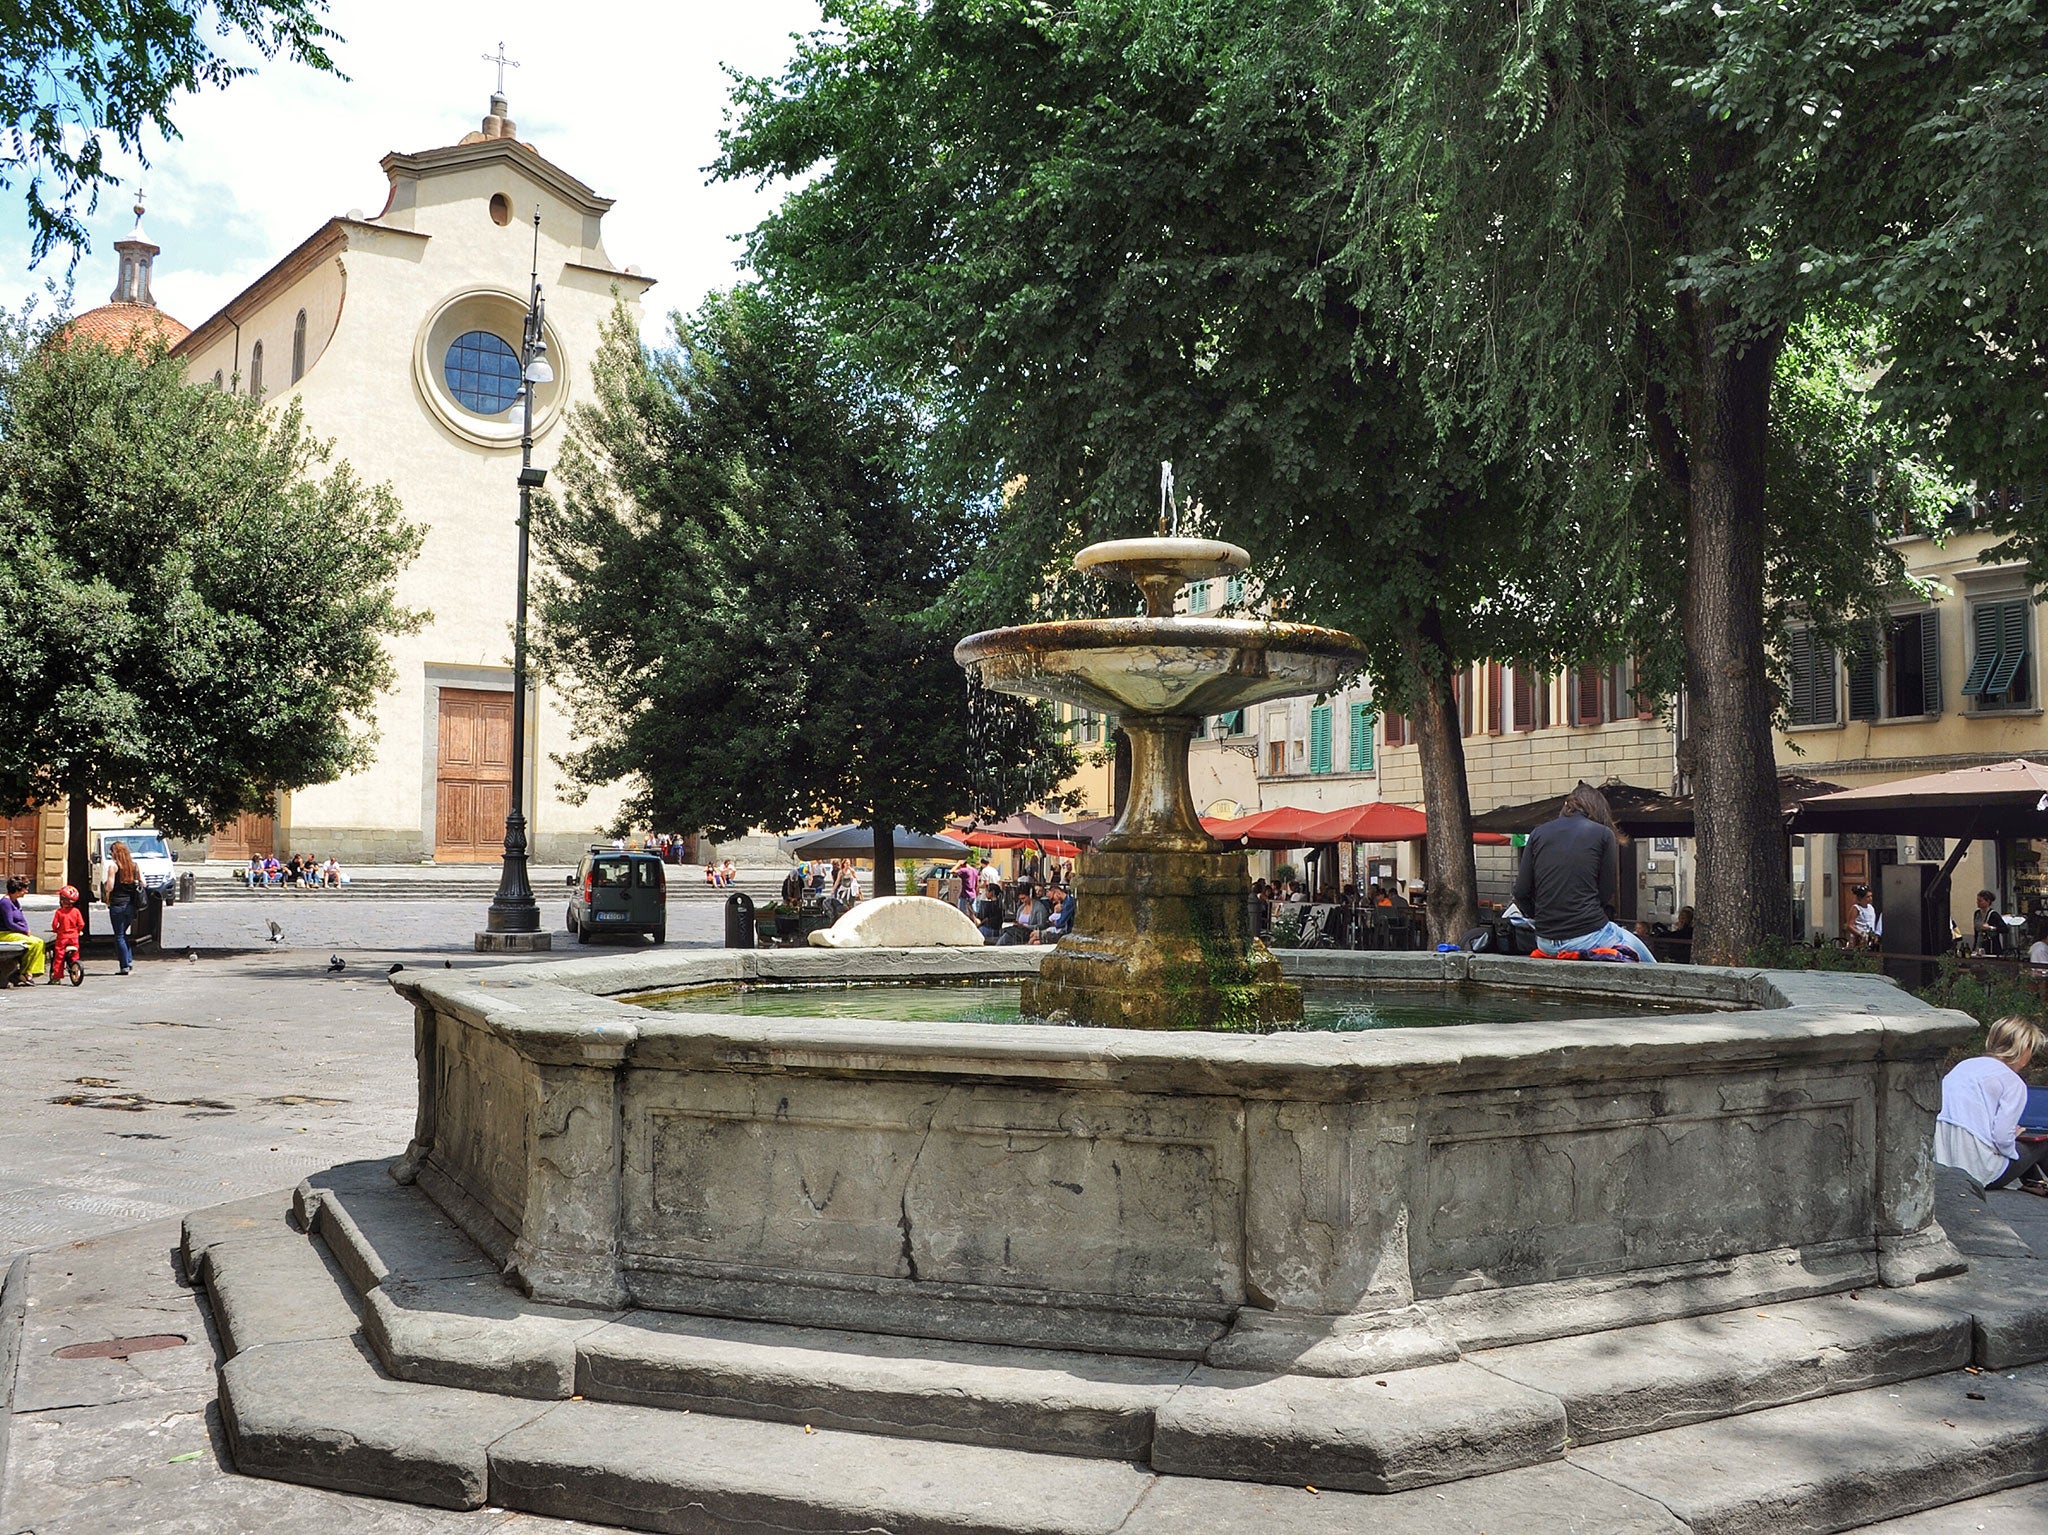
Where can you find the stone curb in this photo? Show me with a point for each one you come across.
(13, 1309)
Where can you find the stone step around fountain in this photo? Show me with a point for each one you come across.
(436, 1314)
(1829, 1427)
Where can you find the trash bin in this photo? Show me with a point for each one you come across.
(739, 921)
(188, 885)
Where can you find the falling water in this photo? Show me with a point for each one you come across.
(1169, 508)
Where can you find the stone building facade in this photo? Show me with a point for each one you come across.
(398, 334)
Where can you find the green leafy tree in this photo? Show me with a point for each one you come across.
(1082, 257)
(75, 73)
(1602, 221)
(193, 598)
(737, 604)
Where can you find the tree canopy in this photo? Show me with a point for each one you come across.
(193, 598)
(1093, 237)
(739, 578)
(76, 72)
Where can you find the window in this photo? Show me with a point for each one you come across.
(1233, 590)
(219, 380)
(482, 372)
(1319, 738)
(1587, 696)
(2001, 671)
(1231, 724)
(256, 368)
(1361, 738)
(1276, 759)
(299, 347)
(1461, 693)
(1524, 700)
(1397, 730)
(1198, 597)
(1813, 679)
(1493, 698)
(1900, 679)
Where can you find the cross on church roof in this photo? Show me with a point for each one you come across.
(503, 64)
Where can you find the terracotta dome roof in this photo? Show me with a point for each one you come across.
(126, 325)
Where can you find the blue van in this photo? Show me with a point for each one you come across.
(615, 892)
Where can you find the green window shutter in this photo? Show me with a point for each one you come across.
(1319, 739)
(1824, 706)
(2011, 618)
(1233, 592)
(1984, 634)
(1361, 738)
(1198, 597)
(1930, 662)
(1800, 648)
(1863, 680)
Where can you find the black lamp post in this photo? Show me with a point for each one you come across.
(513, 908)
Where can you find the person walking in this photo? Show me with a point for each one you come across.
(1570, 879)
(123, 894)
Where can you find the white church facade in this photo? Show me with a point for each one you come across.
(398, 334)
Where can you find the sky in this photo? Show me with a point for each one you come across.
(630, 104)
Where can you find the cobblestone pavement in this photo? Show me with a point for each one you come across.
(190, 1083)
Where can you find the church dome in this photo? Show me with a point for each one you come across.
(126, 326)
(130, 320)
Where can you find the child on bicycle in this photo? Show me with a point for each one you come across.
(68, 930)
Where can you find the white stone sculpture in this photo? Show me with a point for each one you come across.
(901, 922)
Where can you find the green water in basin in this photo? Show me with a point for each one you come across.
(1340, 1007)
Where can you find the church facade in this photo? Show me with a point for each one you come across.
(398, 334)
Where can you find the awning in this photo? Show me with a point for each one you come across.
(994, 841)
(1638, 811)
(1288, 827)
(859, 842)
(2003, 799)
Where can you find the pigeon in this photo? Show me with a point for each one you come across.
(192, 957)
(276, 932)
(447, 964)
(336, 962)
(394, 969)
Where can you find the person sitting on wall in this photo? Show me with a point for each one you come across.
(14, 930)
(1569, 879)
(1981, 1103)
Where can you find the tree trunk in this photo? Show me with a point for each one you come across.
(885, 859)
(1452, 877)
(78, 850)
(1744, 886)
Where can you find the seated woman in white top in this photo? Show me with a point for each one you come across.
(1981, 1103)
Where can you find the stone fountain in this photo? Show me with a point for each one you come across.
(1161, 937)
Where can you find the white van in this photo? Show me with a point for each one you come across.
(153, 856)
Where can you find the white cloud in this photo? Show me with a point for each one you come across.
(628, 98)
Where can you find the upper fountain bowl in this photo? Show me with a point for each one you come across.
(1160, 567)
(1127, 666)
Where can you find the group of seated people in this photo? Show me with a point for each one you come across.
(1017, 913)
(302, 871)
(721, 875)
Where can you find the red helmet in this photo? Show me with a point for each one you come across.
(68, 896)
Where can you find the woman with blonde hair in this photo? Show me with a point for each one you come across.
(123, 894)
(1982, 1100)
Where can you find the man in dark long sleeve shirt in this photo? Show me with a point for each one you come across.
(1569, 880)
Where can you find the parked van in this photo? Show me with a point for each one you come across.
(615, 892)
(153, 857)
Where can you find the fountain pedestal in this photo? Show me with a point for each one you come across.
(1162, 928)
(1163, 941)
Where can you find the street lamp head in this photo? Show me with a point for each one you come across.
(538, 371)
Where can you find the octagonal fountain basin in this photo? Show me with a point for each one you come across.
(1320, 1202)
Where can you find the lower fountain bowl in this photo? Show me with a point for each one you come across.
(1323, 1203)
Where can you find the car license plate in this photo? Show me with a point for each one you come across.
(610, 916)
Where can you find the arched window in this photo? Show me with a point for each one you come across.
(256, 368)
(299, 347)
(219, 380)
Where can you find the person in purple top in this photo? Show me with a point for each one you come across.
(14, 930)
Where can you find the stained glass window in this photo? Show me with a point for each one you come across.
(482, 372)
